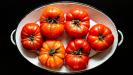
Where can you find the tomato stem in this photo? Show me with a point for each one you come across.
(101, 37)
(53, 51)
(31, 37)
(76, 22)
(52, 20)
(78, 52)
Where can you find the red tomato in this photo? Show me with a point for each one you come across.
(77, 23)
(52, 20)
(100, 37)
(31, 37)
(77, 54)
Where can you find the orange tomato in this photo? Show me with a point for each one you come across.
(52, 54)
(52, 22)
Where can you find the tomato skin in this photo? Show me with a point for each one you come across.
(31, 37)
(77, 44)
(75, 62)
(52, 22)
(56, 60)
(52, 31)
(77, 54)
(100, 37)
(77, 23)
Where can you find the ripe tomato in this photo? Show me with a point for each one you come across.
(77, 54)
(52, 20)
(52, 54)
(100, 37)
(77, 23)
(31, 37)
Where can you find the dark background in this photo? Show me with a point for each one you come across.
(12, 11)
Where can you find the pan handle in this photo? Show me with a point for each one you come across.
(12, 37)
(122, 38)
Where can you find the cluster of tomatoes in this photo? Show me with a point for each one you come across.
(76, 24)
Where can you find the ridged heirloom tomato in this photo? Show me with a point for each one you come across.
(100, 37)
(31, 37)
(52, 54)
(52, 22)
(77, 54)
(77, 23)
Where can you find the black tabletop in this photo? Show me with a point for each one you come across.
(14, 10)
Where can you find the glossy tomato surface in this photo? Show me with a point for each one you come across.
(77, 23)
(52, 54)
(100, 37)
(52, 22)
(77, 54)
(31, 37)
